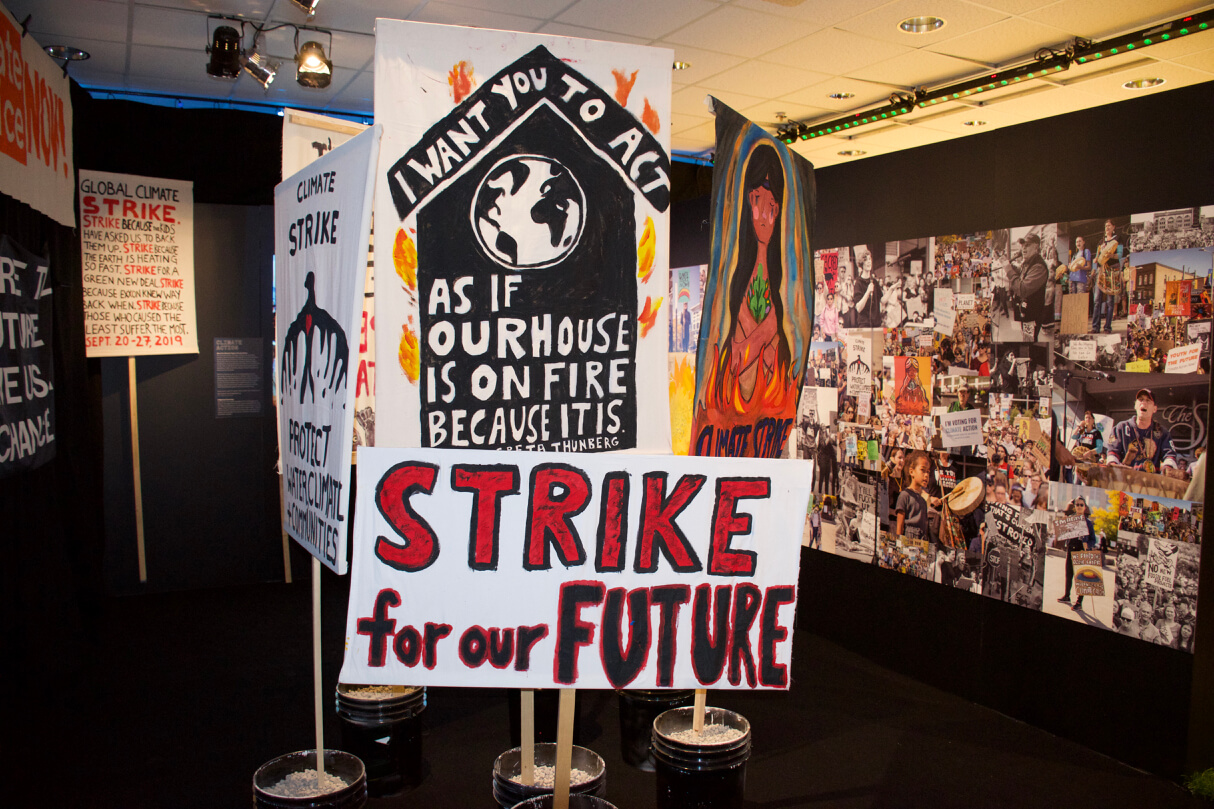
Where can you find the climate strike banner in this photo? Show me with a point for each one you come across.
(137, 247)
(27, 399)
(521, 241)
(322, 218)
(520, 570)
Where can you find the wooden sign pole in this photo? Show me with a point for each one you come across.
(697, 713)
(316, 672)
(564, 749)
(527, 736)
(139, 547)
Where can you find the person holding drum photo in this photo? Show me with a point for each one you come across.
(1142, 443)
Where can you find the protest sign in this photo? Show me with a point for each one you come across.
(1160, 569)
(36, 136)
(864, 405)
(1082, 350)
(1139, 366)
(522, 230)
(1177, 298)
(137, 247)
(1088, 578)
(1184, 359)
(859, 368)
(27, 383)
(1074, 525)
(943, 311)
(522, 570)
(322, 218)
(1008, 521)
(965, 302)
(307, 136)
(961, 429)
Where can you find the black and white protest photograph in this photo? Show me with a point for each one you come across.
(855, 527)
(1177, 229)
(1156, 591)
(1021, 370)
(1013, 560)
(1081, 559)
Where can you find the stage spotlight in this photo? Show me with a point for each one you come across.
(307, 6)
(312, 68)
(225, 53)
(260, 67)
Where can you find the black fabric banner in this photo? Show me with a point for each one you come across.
(27, 402)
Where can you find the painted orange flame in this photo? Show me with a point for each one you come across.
(623, 85)
(650, 118)
(774, 396)
(649, 316)
(404, 256)
(646, 250)
(461, 81)
(409, 356)
(682, 393)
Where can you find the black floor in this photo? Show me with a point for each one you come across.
(182, 696)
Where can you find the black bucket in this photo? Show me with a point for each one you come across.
(343, 765)
(700, 776)
(638, 709)
(508, 792)
(386, 733)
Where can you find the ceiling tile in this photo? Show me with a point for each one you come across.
(865, 94)
(168, 63)
(1099, 19)
(699, 138)
(917, 69)
(1009, 41)
(741, 32)
(542, 9)
(1174, 76)
(901, 137)
(359, 16)
(835, 51)
(450, 14)
(959, 18)
(104, 57)
(349, 50)
(58, 22)
(703, 63)
(819, 13)
(640, 18)
(560, 29)
(1183, 46)
(771, 80)
(97, 80)
(690, 101)
(1203, 60)
(1017, 6)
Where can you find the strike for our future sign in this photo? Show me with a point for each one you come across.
(322, 219)
(520, 570)
(27, 399)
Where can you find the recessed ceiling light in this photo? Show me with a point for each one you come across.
(974, 123)
(852, 153)
(921, 25)
(1142, 84)
(681, 65)
(842, 95)
(66, 53)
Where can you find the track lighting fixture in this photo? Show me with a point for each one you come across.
(307, 6)
(225, 53)
(260, 67)
(312, 68)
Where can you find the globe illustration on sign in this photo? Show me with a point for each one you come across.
(528, 212)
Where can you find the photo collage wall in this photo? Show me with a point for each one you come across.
(1020, 413)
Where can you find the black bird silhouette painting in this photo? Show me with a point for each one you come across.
(317, 328)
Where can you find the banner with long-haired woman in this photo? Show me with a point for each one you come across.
(758, 301)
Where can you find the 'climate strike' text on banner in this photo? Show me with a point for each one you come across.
(511, 569)
(27, 401)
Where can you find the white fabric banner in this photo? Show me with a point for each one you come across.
(520, 570)
(36, 126)
(322, 219)
(522, 240)
(307, 136)
(137, 248)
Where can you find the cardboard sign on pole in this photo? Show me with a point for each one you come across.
(541, 570)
